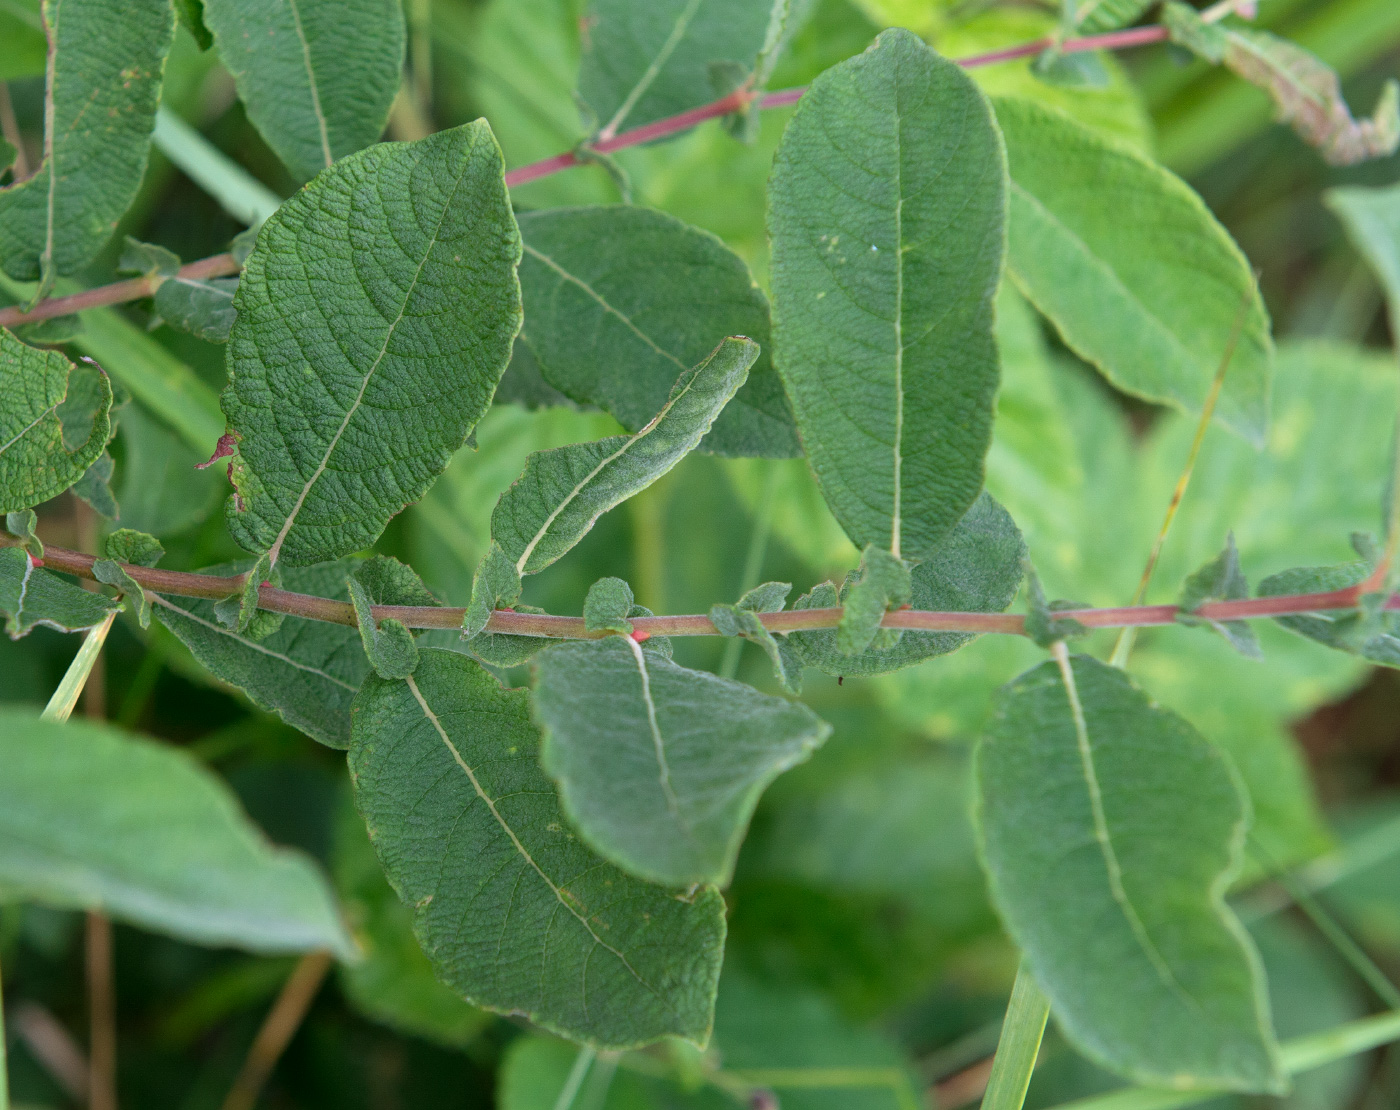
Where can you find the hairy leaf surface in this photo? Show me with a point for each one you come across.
(562, 492)
(887, 214)
(35, 462)
(621, 299)
(658, 766)
(375, 317)
(306, 672)
(317, 76)
(1375, 638)
(106, 61)
(646, 61)
(94, 818)
(975, 569)
(1111, 829)
(32, 596)
(1131, 266)
(515, 914)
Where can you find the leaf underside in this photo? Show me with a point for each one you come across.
(31, 596)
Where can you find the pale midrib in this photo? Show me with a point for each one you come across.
(251, 644)
(587, 478)
(276, 547)
(29, 428)
(311, 82)
(603, 303)
(657, 741)
(662, 57)
(23, 591)
(1112, 865)
(510, 833)
(50, 123)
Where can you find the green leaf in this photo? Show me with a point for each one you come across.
(1376, 638)
(883, 583)
(742, 619)
(95, 818)
(607, 606)
(238, 611)
(317, 76)
(394, 982)
(357, 366)
(887, 214)
(202, 308)
(1186, 28)
(306, 672)
(563, 492)
(1372, 221)
(975, 569)
(514, 913)
(645, 62)
(106, 61)
(1111, 830)
(1221, 579)
(22, 31)
(658, 766)
(23, 525)
(137, 548)
(495, 586)
(620, 299)
(30, 596)
(1307, 95)
(1093, 17)
(191, 16)
(35, 462)
(1042, 625)
(95, 487)
(383, 580)
(1133, 269)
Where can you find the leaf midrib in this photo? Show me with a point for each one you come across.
(644, 82)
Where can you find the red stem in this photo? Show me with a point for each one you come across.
(220, 265)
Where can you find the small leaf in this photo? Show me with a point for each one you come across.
(148, 260)
(1221, 580)
(202, 308)
(23, 524)
(513, 912)
(563, 492)
(106, 61)
(643, 63)
(887, 216)
(1042, 625)
(35, 461)
(1102, 815)
(883, 583)
(30, 596)
(1153, 309)
(621, 299)
(1186, 28)
(741, 619)
(94, 818)
(317, 76)
(1373, 636)
(660, 767)
(306, 672)
(138, 549)
(607, 606)
(357, 366)
(383, 580)
(496, 586)
(1307, 95)
(975, 569)
(237, 611)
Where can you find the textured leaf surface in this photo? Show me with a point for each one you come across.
(975, 569)
(31, 596)
(1126, 827)
(1375, 638)
(93, 818)
(106, 61)
(306, 672)
(358, 364)
(1132, 268)
(35, 462)
(621, 299)
(317, 76)
(882, 583)
(646, 61)
(389, 645)
(658, 766)
(887, 213)
(128, 546)
(516, 914)
(562, 492)
(202, 308)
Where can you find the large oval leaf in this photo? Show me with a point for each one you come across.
(887, 212)
(375, 317)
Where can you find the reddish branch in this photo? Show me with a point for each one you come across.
(181, 584)
(222, 265)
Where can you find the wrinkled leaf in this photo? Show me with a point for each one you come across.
(106, 61)
(563, 492)
(882, 583)
(94, 818)
(886, 209)
(317, 76)
(1103, 815)
(1221, 579)
(742, 619)
(356, 364)
(621, 299)
(607, 606)
(383, 580)
(512, 911)
(126, 546)
(31, 596)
